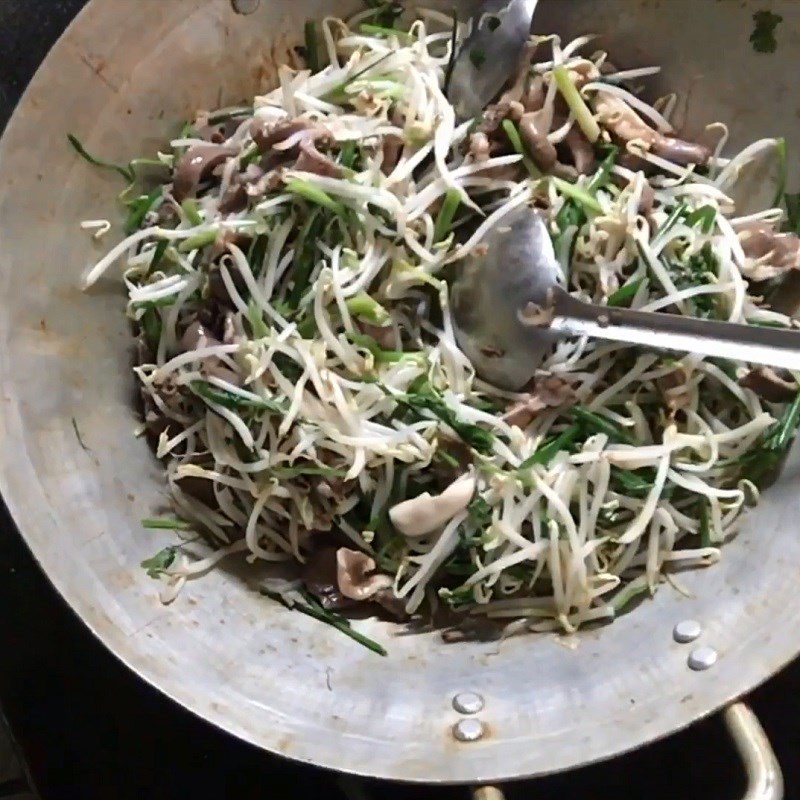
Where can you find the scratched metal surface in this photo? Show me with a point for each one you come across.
(266, 675)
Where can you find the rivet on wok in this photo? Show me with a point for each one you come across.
(687, 630)
(468, 730)
(245, 6)
(702, 658)
(468, 703)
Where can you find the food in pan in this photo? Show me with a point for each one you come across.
(288, 281)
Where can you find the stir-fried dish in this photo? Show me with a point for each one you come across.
(289, 282)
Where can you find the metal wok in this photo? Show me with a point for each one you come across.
(120, 77)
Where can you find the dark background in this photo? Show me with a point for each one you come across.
(88, 728)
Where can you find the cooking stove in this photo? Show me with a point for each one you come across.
(76, 723)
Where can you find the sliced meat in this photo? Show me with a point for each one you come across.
(618, 117)
(234, 200)
(392, 148)
(356, 576)
(424, 514)
(581, 151)
(773, 252)
(770, 385)
(311, 160)
(548, 392)
(479, 146)
(267, 134)
(196, 165)
(541, 149)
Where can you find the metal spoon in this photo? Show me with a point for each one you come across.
(490, 54)
(510, 305)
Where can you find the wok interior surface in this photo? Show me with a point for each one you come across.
(121, 80)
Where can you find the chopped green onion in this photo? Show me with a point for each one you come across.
(577, 193)
(705, 216)
(198, 241)
(382, 356)
(623, 296)
(160, 562)
(256, 319)
(158, 253)
(138, 208)
(312, 52)
(167, 524)
(597, 424)
(151, 328)
(545, 454)
(314, 194)
(572, 97)
(192, 211)
(444, 219)
(366, 307)
(226, 399)
(328, 617)
(780, 191)
(380, 30)
(304, 257)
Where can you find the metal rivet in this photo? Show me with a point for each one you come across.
(245, 6)
(468, 730)
(468, 703)
(702, 658)
(686, 630)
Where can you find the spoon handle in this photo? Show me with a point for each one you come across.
(773, 347)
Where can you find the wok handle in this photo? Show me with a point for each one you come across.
(764, 777)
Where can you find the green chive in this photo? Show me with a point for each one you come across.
(192, 211)
(623, 296)
(545, 454)
(314, 195)
(312, 52)
(127, 172)
(198, 241)
(583, 114)
(165, 523)
(444, 219)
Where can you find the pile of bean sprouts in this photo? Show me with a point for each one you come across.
(335, 389)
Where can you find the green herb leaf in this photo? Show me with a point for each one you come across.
(763, 36)
(160, 562)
